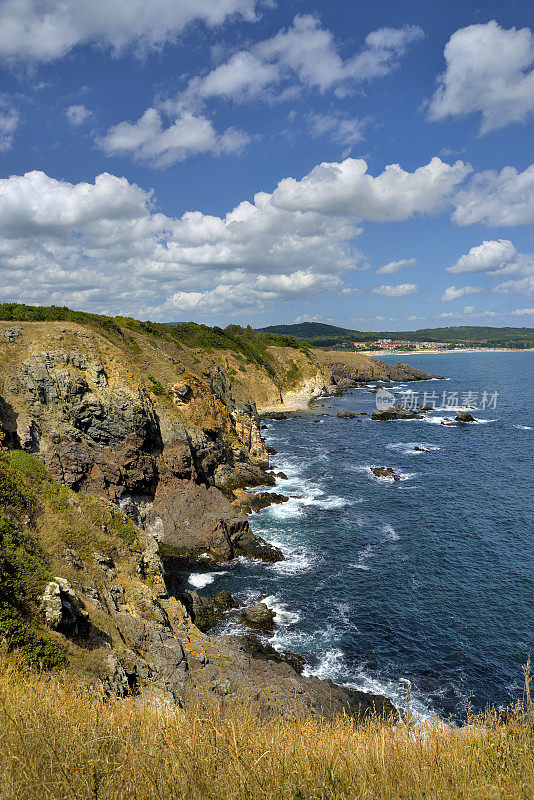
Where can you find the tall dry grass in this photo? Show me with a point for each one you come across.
(59, 741)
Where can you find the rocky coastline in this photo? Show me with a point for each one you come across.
(174, 465)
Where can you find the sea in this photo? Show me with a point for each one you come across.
(426, 581)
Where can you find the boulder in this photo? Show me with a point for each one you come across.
(274, 415)
(259, 616)
(61, 609)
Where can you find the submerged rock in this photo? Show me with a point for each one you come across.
(385, 472)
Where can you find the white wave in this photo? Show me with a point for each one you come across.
(408, 448)
(367, 553)
(523, 427)
(283, 615)
(390, 532)
(201, 579)
(331, 665)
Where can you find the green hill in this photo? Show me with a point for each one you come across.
(321, 335)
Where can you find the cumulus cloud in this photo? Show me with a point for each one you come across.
(489, 70)
(497, 198)
(497, 259)
(521, 285)
(454, 292)
(394, 195)
(34, 30)
(302, 56)
(102, 246)
(148, 140)
(485, 257)
(306, 54)
(395, 266)
(78, 114)
(9, 121)
(523, 312)
(400, 290)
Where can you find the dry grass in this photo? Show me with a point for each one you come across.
(59, 741)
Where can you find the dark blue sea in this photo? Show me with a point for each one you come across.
(429, 579)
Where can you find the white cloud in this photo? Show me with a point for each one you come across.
(148, 141)
(303, 55)
(523, 312)
(414, 317)
(43, 30)
(496, 259)
(453, 292)
(488, 256)
(394, 195)
(9, 121)
(395, 266)
(489, 70)
(77, 115)
(468, 313)
(521, 286)
(102, 246)
(497, 198)
(342, 130)
(400, 290)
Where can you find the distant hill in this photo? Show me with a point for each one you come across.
(321, 335)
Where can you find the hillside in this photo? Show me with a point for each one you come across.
(125, 448)
(320, 335)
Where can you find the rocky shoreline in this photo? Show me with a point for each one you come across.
(176, 466)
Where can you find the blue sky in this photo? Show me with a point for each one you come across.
(367, 164)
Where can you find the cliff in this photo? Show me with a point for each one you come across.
(122, 449)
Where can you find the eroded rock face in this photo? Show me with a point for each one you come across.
(61, 609)
(193, 520)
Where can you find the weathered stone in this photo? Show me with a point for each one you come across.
(259, 616)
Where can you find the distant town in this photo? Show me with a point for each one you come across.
(390, 344)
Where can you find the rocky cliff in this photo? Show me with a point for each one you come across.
(145, 444)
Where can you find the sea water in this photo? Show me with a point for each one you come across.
(428, 579)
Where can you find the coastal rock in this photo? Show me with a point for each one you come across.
(205, 611)
(255, 502)
(385, 472)
(464, 416)
(259, 616)
(282, 475)
(263, 650)
(190, 520)
(346, 415)
(399, 412)
(274, 415)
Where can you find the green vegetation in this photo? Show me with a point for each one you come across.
(23, 565)
(39, 517)
(317, 334)
(157, 388)
(247, 342)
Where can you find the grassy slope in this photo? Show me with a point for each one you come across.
(39, 519)
(59, 742)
